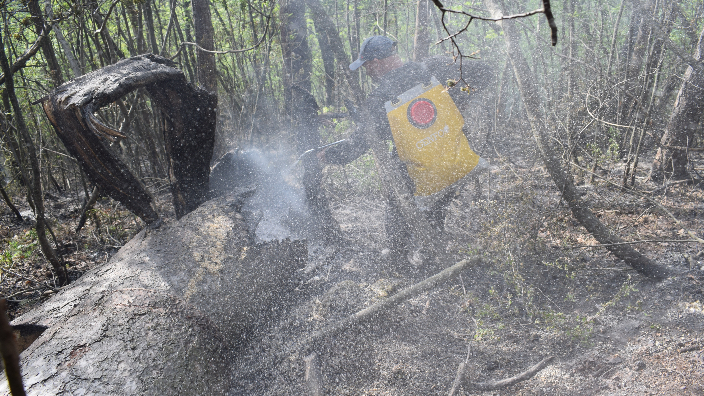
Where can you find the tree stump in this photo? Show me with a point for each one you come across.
(189, 130)
(163, 315)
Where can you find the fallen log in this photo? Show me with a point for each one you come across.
(162, 317)
(188, 115)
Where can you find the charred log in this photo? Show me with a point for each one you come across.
(165, 314)
(189, 128)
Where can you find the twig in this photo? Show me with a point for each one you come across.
(314, 378)
(642, 241)
(372, 311)
(27, 291)
(526, 375)
(690, 348)
(216, 52)
(10, 353)
(459, 379)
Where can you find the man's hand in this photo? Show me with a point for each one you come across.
(321, 156)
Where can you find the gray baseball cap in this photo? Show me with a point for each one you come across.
(375, 47)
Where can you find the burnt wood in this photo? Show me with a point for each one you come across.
(188, 114)
(167, 313)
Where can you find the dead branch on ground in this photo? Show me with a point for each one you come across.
(462, 380)
(377, 309)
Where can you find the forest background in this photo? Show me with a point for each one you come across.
(620, 90)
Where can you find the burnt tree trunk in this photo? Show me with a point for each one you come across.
(189, 118)
(671, 158)
(164, 315)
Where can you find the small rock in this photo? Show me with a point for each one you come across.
(614, 360)
(640, 365)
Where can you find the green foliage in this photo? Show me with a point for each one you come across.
(18, 248)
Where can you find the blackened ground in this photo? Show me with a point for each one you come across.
(538, 294)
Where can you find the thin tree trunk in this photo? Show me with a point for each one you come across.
(65, 46)
(612, 51)
(151, 34)
(48, 50)
(135, 14)
(421, 40)
(203, 24)
(302, 109)
(35, 187)
(671, 158)
(325, 26)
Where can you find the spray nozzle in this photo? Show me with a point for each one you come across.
(317, 149)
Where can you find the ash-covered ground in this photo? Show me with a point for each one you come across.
(537, 294)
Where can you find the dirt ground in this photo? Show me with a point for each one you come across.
(540, 291)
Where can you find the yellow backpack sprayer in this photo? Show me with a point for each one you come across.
(427, 129)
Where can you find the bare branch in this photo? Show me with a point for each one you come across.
(105, 21)
(457, 52)
(22, 60)
(216, 52)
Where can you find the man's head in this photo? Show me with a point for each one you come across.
(375, 47)
(378, 55)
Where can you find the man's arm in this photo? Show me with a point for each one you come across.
(347, 151)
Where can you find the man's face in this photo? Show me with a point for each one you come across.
(374, 68)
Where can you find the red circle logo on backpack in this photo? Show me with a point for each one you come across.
(422, 113)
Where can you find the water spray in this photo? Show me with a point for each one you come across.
(316, 150)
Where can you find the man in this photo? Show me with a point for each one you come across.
(412, 108)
